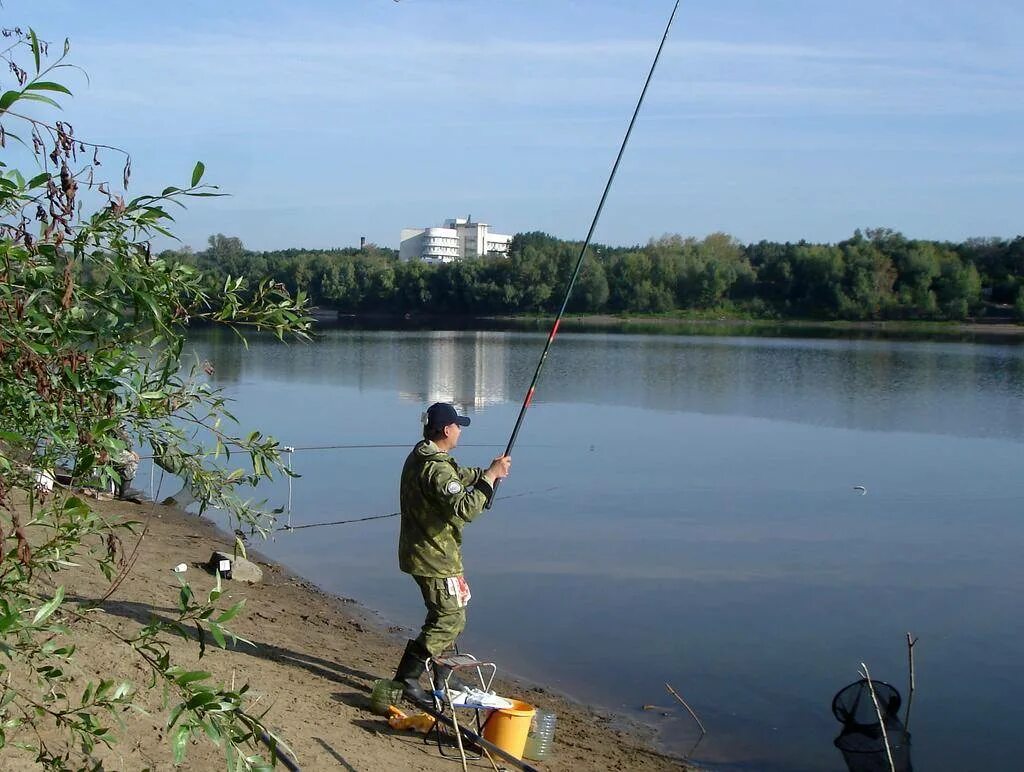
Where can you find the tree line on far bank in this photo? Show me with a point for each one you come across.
(875, 274)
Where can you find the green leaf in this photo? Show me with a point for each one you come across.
(212, 731)
(197, 173)
(49, 607)
(34, 42)
(178, 742)
(9, 98)
(184, 596)
(228, 615)
(200, 699)
(45, 85)
(191, 675)
(175, 714)
(105, 425)
(41, 98)
(218, 635)
(151, 305)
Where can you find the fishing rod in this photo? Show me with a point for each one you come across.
(583, 251)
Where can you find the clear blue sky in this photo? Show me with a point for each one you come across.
(327, 120)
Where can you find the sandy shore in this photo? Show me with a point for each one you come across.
(315, 660)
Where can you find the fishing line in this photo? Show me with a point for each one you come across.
(583, 252)
(336, 522)
(396, 514)
(387, 445)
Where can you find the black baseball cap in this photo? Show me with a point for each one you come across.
(442, 414)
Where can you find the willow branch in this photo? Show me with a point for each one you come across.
(682, 702)
(878, 711)
(911, 640)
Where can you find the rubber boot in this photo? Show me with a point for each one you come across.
(455, 683)
(410, 668)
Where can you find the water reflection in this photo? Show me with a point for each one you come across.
(470, 369)
(470, 376)
(947, 388)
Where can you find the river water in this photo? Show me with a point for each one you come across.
(683, 509)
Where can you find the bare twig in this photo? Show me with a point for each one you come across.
(487, 755)
(878, 710)
(682, 702)
(126, 569)
(911, 640)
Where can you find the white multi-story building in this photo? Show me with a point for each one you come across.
(456, 239)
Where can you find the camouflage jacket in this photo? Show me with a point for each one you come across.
(438, 497)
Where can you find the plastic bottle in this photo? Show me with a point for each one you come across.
(541, 735)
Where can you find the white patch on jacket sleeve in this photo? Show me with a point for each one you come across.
(453, 487)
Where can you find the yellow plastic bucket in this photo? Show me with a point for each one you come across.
(508, 727)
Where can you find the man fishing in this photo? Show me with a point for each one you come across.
(438, 497)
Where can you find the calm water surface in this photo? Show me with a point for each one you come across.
(682, 510)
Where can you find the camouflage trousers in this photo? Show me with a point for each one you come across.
(446, 617)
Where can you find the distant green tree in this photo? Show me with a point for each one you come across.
(590, 295)
(531, 275)
(868, 282)
(340, 287)
(632, 286)
(817, 284)
(227, 256)
(412, 286)
(629, 285)
(375, 278)
(773, 270)
(302, 276)
(918, 266)
(957, 288)
(1000, 264)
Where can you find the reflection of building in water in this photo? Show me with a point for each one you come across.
(470, 371)
(490, 375)
(442, 363)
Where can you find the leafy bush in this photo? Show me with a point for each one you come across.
(91, 333)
